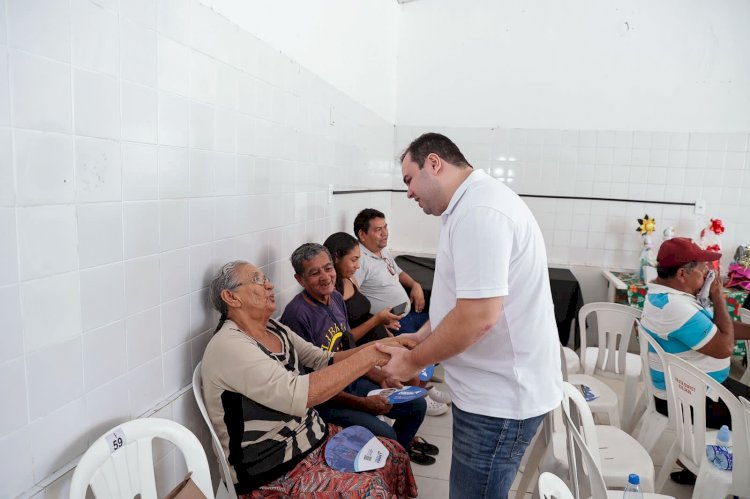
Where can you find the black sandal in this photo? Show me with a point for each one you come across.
(683, 477)
(421, 458)
(423, 446)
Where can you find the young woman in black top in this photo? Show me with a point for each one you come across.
(365, 327)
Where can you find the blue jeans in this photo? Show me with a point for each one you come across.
(408, 415)
(412, 321)
(486, 453)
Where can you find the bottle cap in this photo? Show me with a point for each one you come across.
(634, 479)
(723, 435)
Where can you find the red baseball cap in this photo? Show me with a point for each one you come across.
(679, 251)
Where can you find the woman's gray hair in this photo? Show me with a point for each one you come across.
(304, 253)
(225, 279)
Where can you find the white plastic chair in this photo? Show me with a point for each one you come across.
(572, 361)
(120, 464)
(606, 402)
(615, 453)
(552, 487)
(586, 474)
(548, 452)
(226, 486)
(615, 324)
(745, 318)
(688, 387)
(653, 423)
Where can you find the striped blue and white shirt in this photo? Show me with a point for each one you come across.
(682, 327)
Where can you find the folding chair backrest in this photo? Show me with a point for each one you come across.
(215, 442)
(614, 327)
(688, 387)
(552, 487)
(584, 468)
(120, 463)
(652, 356)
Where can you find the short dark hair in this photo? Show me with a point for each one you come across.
(362, 220)
(339, 245)
(305, 253)
(670, 272)
(436, 143)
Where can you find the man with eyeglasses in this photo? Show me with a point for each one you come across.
(318, 314)
(381, 280)
(674, 317)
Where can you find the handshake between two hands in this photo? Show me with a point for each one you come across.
(394, 360)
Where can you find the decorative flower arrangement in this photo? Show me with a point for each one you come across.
(739, 269)
(646, 227)
(709, 238)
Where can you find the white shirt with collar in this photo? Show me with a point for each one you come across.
(491, 245)
(378, 282)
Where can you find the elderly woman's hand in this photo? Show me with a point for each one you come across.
(378, 357)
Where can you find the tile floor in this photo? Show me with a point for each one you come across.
(433, 480)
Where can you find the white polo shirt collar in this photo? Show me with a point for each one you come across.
(474, 177)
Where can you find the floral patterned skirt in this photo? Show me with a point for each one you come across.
(313, 478)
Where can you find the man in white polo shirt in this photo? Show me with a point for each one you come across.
(492, 321)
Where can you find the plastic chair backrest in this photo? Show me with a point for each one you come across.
(688, 386)
(120, 464)
(614, 326)
(552, 487)
(584, 471)
(649, 348)
(226, 475)
(576, 407)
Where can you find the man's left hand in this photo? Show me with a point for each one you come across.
(417, 296)
(401, 366)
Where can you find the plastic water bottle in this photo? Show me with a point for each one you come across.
(633, 489)
(721, 453)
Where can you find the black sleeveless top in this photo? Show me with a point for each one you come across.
(357, 312)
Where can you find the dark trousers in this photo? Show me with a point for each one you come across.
(408, 415)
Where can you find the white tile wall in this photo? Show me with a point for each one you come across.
(13, 383)
(11, 326)
(98, 170)
(102, 295)
(55, 377)
(40, 27)
(99, 234)
(95, 37)
(47, 240)
(4, 88)
(8, 246)
(104, 355)
(41, 93)
(44, 168)
(139, 171)
(142, 145)
(628, 165)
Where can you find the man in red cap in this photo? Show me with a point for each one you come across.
(674, 317)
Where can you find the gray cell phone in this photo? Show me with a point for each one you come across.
(399, 309)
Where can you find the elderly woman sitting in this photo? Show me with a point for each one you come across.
(260, 399)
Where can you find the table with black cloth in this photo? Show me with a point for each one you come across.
(566, 291)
